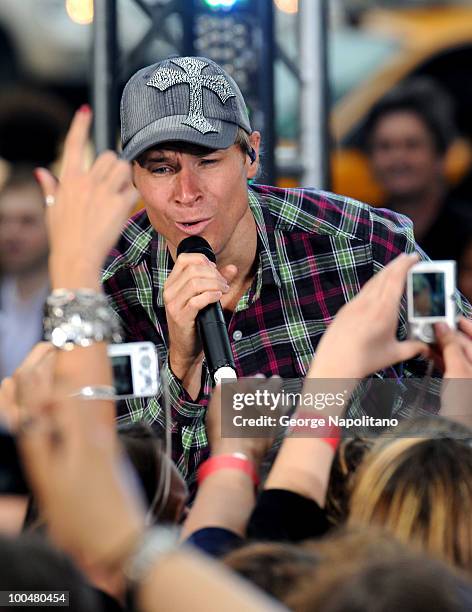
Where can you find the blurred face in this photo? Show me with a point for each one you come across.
(188, 195)
(423, 303)
(23, 235)
(403, 155)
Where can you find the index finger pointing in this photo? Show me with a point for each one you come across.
(75, 143)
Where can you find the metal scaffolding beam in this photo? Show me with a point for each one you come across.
(104, 75)
(314, 98)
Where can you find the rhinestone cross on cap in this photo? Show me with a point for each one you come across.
(192, 67)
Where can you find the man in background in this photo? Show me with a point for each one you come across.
(407, 136)
(24, 283)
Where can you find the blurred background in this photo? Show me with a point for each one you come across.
(46, 46)
(371, 46)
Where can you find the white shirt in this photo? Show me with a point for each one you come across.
(21, 324)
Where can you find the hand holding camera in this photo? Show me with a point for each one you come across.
(364, 331)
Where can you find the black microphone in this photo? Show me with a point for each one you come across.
(211, 322)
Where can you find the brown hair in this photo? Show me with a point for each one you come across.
(425, 426)
(273, 567)
(364, 568)
(421, 491)
(401, 581)
(164, 489)
(347, 459)
(356, 543)
(242, 140)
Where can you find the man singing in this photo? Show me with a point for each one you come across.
(286, 259)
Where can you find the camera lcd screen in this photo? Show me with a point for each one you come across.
(429, 294)
(122, 374)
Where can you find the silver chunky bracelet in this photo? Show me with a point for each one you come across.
(155, 544)
(98, 392)
(79, 318)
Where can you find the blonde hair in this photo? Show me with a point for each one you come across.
(242, 140)
(421, 491)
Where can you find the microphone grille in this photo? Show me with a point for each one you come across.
(196, 244)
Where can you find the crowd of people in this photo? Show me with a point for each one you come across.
(312, 288)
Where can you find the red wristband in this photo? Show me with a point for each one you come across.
(331, 434)
(307, 422)
(234, 462)
(333, 442)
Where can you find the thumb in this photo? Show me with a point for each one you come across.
(407, 349)
(229, 272)
(47, 181)
(445, 335)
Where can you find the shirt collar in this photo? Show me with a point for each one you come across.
(266, 241)
(266, 274)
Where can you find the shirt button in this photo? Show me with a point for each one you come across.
(237, 335)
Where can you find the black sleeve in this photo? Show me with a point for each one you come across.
(214, 541)
(282, 515)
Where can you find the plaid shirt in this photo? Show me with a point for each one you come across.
(315, 249)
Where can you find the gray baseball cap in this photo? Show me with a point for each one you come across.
(182, 98)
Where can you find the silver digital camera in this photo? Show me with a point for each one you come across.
(431, 287)
(135, 369)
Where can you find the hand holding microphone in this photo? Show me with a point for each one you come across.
(193, 284)
(210, 321)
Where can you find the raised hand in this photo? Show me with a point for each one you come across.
(254, 448)
(29, 389)
(86, 209)
(362, 338)
(80, 481)
(455, 350)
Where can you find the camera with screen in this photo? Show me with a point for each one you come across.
(431, 287)
(135, 369)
